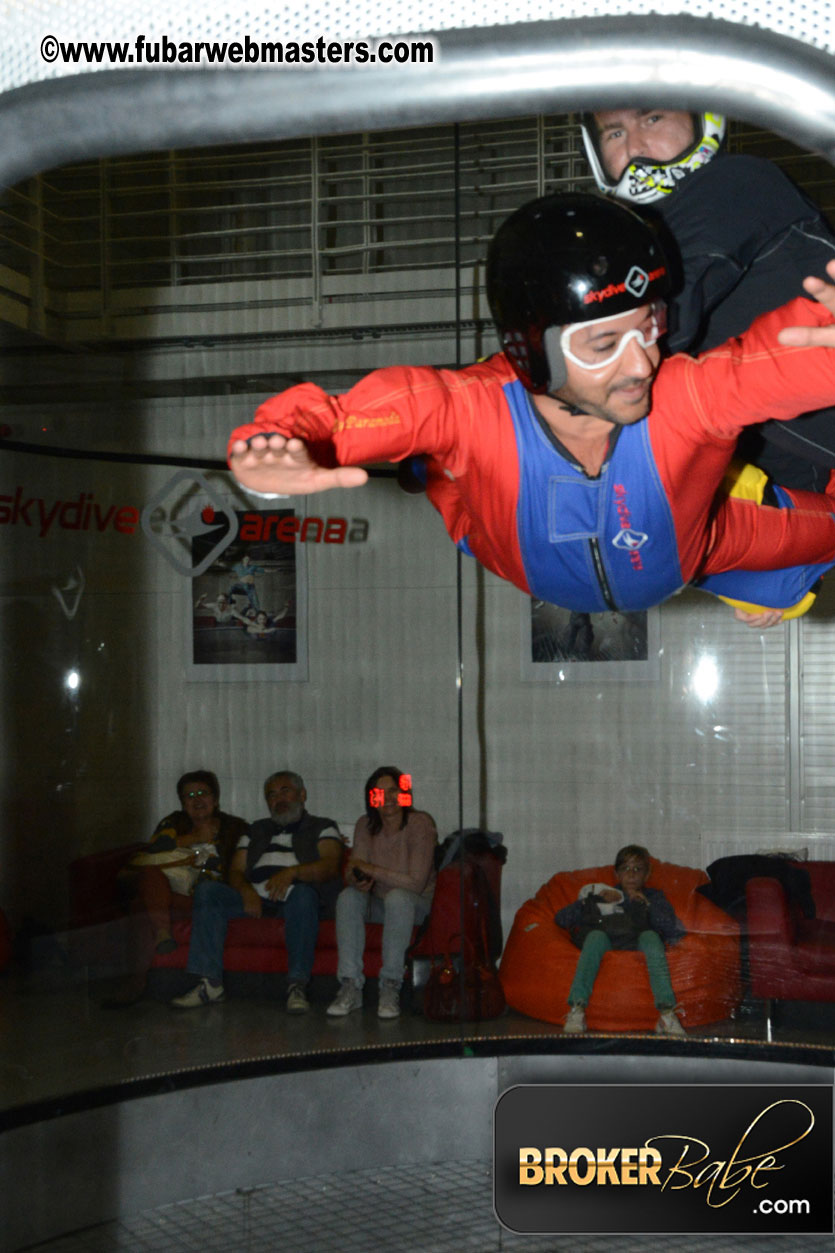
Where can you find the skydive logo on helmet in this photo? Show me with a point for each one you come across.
(635, 283)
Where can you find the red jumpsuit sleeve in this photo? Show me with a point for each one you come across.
(752, 378)
(390, 414)
(700, 406)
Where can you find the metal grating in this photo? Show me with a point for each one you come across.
(445, 1207)
(310, 223)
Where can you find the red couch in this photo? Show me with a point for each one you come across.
(539, 960)
(792, 957)
(253, 945)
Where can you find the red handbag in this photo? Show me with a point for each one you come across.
(471, 994)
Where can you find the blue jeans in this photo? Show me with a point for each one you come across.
(248, 590)
(597, 943)
(216, 903)
(399, 910)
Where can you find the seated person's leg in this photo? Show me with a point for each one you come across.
(301, 928)
(155, 897)
(652, 947)
(353, 909)
(401, 910)
(153, 894)
(214, 904)
(595, 945)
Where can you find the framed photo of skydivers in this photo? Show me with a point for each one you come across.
(559, 645)
(248, 614)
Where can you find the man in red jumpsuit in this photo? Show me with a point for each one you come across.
(571, 464)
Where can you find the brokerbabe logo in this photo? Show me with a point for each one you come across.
(665, 1158)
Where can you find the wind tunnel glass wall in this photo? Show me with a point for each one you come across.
(149, 305)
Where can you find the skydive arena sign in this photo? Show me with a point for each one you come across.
(696, 1158)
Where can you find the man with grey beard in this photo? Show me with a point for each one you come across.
(286, 866)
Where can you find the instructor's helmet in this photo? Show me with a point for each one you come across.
(563, 259)
(645, 180)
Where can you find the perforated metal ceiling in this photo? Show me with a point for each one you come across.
(768, 62)
(24, 23)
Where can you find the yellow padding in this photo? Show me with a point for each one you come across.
(796, 611)
(745, 482)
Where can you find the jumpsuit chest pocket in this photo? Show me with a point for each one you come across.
(573, 508)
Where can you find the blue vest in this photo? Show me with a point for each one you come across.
(592, 544)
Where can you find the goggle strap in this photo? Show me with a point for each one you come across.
(555, 357)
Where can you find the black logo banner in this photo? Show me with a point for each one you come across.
(669, 1158)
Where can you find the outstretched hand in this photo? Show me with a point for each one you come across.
(814, 336)
(284, 467)
(761, 620)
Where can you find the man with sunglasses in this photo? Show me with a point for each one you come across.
(570, 463)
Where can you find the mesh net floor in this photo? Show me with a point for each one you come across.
(436, 1208)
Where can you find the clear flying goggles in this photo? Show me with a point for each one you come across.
(592, 345)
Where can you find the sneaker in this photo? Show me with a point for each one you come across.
(203, 993)
(297, 1002)
(669, 1024)
(388, 1005)
(575, 1021)
(347, 999)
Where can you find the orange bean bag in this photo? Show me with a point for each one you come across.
(539, 959)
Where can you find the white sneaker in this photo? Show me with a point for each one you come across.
(669, 1023)
(388, 1005)
(347, 999)
(575, 1021)
(204, 993)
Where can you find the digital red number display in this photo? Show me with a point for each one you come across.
(377, 797)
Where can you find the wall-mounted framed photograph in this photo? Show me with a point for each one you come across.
(560, 645)
(248, 616)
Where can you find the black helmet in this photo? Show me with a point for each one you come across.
(645, 180)
(571, 257)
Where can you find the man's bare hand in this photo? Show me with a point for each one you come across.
(814, 336)
(252, 901)
(272, 463)
(759, 621)
(279, 884)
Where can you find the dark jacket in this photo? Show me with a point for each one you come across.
(230, 831)
(746, 237)
(626, 923)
